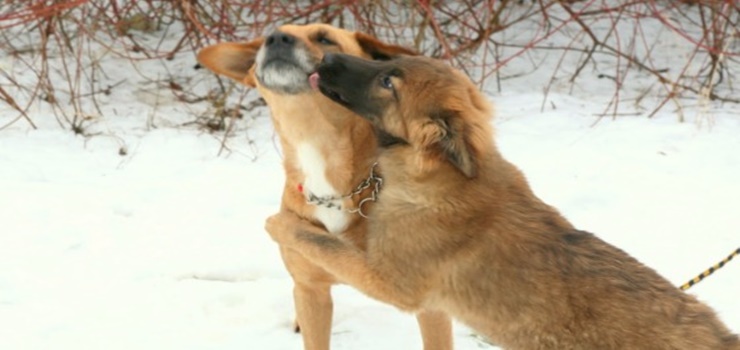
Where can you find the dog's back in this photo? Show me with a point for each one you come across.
(568, 289)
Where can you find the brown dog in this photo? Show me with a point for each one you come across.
(328, 155)
(457, 229)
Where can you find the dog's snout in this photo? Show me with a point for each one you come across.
(329, 58)
(332, 62)
(335, 59)
(280, 39)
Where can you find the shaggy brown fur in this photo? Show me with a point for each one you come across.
(457, 229)
(278, 65)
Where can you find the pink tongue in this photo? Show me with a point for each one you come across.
(313, 80)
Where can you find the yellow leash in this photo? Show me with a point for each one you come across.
(710, 271)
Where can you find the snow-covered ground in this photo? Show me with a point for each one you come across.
(164, 247)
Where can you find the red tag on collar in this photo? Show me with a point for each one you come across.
(300, 188)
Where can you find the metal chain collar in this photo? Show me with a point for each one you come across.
(329, 201)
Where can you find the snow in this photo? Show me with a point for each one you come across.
(164, 247)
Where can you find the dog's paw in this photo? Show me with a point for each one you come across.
(282, 226)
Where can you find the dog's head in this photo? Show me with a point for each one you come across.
(282, 61)
(412, 101)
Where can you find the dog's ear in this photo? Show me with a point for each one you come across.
(379, 50)
(233, 60)
(445, 132)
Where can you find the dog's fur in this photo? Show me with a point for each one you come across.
(457, 229)
(327, 151)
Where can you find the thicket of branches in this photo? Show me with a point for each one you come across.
(610, 37)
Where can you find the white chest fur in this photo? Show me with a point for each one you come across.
(313, 166)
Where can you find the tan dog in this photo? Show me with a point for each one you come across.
(457, 229)
(328, 155)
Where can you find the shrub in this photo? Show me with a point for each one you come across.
(59, 48)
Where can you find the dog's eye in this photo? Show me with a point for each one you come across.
(386, 82)
(323, 40)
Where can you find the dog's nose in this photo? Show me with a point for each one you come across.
(280, 39)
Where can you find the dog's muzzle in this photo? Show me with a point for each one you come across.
(283, 64)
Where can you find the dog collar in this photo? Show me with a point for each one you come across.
(331, 201)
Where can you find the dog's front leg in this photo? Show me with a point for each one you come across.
(337, 256)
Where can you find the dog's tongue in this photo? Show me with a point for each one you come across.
(313, 80)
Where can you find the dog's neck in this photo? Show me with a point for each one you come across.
(327, 152)
(345, 142)
(408, 179)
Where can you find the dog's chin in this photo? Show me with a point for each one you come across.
(334, 96)
(284, 78)
(341, 99)
(386, 140)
